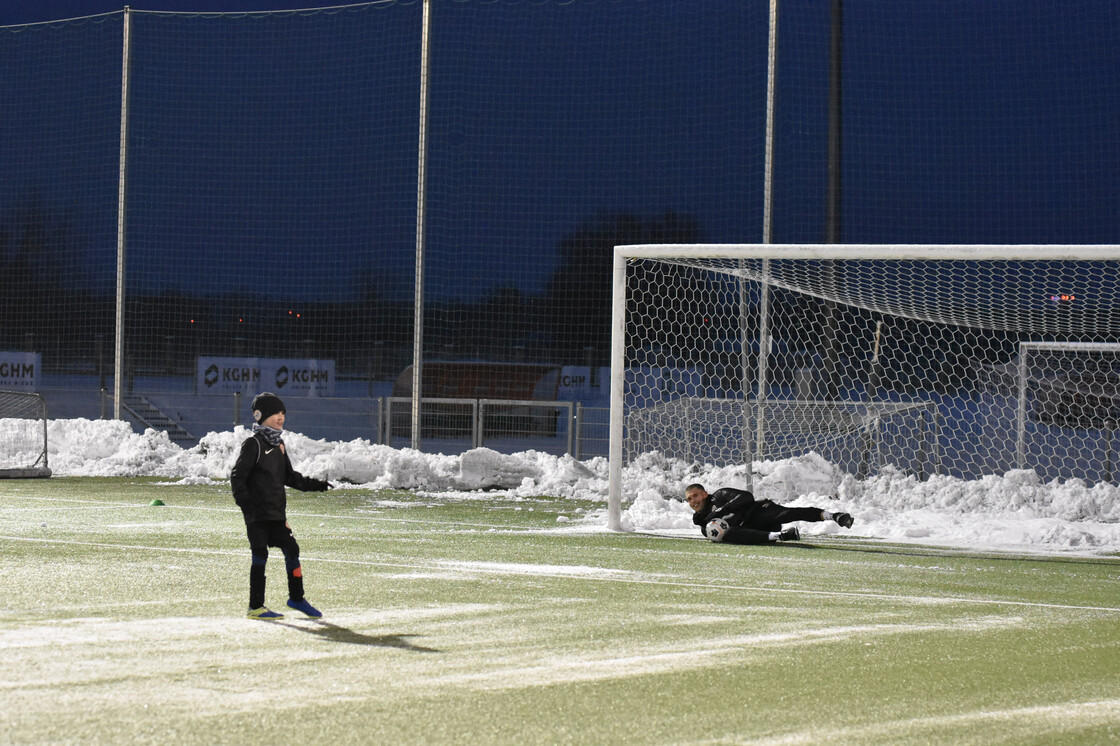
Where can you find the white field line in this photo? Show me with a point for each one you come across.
(194, 666)
(565, 529)
(79, 652)
(602, 574)
(99, 505)
(1063, 717)
(579, 528)
(705, 652)
(101, 605)
(168, 630)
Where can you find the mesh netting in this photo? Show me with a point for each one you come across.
(932, 366)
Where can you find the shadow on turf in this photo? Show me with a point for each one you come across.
(844, 544)
(335, 633)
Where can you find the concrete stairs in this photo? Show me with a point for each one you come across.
(149, 415)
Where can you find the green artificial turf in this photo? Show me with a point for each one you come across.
(488, 620)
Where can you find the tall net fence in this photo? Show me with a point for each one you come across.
(271, 187)
(59, 155)
(958, 122)
(562, 129)
(270, 167)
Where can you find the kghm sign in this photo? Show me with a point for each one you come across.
(299, 377)
(227, 375)
(19, 371)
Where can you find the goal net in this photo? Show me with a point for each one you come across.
(960, 360)
(23, 435)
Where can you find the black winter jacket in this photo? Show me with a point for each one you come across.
(258, 480)
(728, 503)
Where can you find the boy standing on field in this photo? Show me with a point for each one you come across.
(258, 479)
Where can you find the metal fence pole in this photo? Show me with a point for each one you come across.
(421, 191)
(577, 428)
(122, 211)
(759, 450)
(1109, 427)
(571, 430)
(478, 424)
(377, 416)
(1021, 410)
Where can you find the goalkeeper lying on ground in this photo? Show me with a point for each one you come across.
(734, 516)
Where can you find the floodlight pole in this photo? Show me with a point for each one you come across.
(759, 450)
(122, 211)
(771, 92)
(834, 197)
(421, 191)
(835, 124)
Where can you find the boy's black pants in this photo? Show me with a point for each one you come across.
(265, 534)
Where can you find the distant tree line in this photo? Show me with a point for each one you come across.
(50, 307)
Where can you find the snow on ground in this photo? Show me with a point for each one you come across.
(1014, 511)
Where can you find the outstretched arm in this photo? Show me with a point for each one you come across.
(305, 484)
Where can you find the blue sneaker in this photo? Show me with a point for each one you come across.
(305, 607)
(264, 613)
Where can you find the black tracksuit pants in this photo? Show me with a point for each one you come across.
(265, 534)
(767, 516)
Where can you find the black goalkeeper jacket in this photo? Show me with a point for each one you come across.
(728, 503)
(258, 479)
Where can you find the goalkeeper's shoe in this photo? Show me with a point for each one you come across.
(844, 519)
(790, 534)
(305, 607)
(264, 613)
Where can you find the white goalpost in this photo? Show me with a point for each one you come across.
(965, 360)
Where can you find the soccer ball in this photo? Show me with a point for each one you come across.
(717, 529)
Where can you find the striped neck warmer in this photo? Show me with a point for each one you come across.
(271, 434)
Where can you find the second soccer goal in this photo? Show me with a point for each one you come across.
(23, 435)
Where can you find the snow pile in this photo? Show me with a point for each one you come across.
(106, 448)
(1013, 511)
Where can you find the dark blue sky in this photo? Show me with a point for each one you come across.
(296, 136)
(35, 11)
(963, 122)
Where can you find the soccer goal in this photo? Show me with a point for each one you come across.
(966, 360)
(23, 435)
